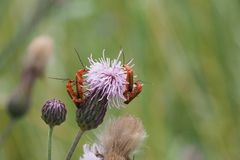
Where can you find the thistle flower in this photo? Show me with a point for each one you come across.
(92, 153)
(118, 141)
(108, 77)
(54, 112)
(106, 84)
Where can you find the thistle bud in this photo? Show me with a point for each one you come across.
(19, 102)
(91, 114)
(54, 112)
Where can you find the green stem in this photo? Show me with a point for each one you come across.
(6, 131)
(50, 131)
(41, 11)
(74, 144)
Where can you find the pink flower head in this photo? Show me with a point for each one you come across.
(91, 152)
(107, 77)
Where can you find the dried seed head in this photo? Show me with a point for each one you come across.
(113, 156)
(91, 114)
(122, 137)
(39, 52)
(54, 112)
(119, 140)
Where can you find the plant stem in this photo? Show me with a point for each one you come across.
(74, 144)
(50, 131)
(41, 11)
(6, 131)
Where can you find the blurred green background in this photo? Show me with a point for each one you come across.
(185, 51)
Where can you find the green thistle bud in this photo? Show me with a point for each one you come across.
(91, 114)
(54, 112)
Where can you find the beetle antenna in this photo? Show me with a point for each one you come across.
(80, 60)
(147, 83)
(63, 79)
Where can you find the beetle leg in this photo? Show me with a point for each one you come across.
(129, 78)
(77, 97)
(79, 82)
(71, 93)
(132, 89)
(137, 88)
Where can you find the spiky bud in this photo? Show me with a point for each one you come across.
(54, 112)
(91, 114)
